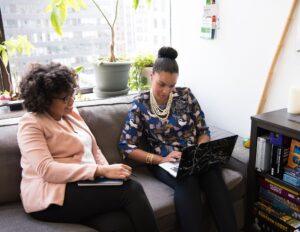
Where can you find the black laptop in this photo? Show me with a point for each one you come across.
(200, 158)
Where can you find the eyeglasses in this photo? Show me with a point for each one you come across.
(67, 98)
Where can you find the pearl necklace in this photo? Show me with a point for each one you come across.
(162, 114)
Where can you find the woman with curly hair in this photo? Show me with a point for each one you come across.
(171, 119)
(58, 149)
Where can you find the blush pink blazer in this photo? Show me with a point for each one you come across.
(50, 158)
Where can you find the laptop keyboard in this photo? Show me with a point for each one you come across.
(175, 169)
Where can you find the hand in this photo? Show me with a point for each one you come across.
(172, 157)
(114, 171)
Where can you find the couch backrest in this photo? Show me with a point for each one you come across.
(10, 170)
(106, 120)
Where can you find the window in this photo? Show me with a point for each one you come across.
(86, 34)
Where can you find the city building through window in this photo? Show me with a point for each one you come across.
(86, 34)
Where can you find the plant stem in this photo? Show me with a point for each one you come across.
(112, 46)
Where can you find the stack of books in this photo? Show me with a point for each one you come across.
(278, 206)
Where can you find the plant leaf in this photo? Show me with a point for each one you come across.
(79, 69)
(63, 10)
(135, 4)
(56, 22)
(4, 57)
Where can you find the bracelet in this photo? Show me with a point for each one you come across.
(149, 158)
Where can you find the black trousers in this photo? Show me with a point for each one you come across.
(190, 207)
(82, 204)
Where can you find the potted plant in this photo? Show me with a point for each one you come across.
(140, 70)
(112, 73)
(9, 95)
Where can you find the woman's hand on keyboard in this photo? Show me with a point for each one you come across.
(172, 157)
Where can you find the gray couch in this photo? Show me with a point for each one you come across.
(105, 119)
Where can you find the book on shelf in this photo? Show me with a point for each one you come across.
(261, 224)
(263, 153)
(294, 156)
(276, 198)
(277, 220)
(280, 149)
(279, 158)
(100, 181)
(280, 190)
(279, 203)
(292, 176)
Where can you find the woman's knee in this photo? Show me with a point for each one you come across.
(134, 187)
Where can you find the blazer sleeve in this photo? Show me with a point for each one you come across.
(36, 155)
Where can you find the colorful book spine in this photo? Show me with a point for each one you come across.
(294, 156)
(278, 220)
(292, 176)
(280, 190)
(261, 224)
(278, 201)
(280, 206)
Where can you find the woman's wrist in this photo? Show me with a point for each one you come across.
(149, 158)
(100, 171)
(152, 158)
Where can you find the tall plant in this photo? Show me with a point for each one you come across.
(58, 10)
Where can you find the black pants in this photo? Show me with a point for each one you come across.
(189, 205)
(83, 203)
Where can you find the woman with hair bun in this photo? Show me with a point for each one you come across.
(58, 150)
(171, 119)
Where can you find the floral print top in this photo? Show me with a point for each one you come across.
(182, 128)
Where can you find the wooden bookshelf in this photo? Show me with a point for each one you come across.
(277, 122)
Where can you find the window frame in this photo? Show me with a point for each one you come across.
(5, 79)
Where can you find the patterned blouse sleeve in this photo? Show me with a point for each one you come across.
(199, 116)
(132, 129)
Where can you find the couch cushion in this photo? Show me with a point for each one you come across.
(10, 170)
(13, 218)
(161, 196)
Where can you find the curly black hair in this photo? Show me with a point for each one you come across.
(165, 61)
(42, 82)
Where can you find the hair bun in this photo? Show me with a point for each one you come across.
(167, 52)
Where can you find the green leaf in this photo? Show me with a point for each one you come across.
(63, 12)
(4, 57)
(48, 8)
(135, 4)
(79, 69)
(56, 22)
